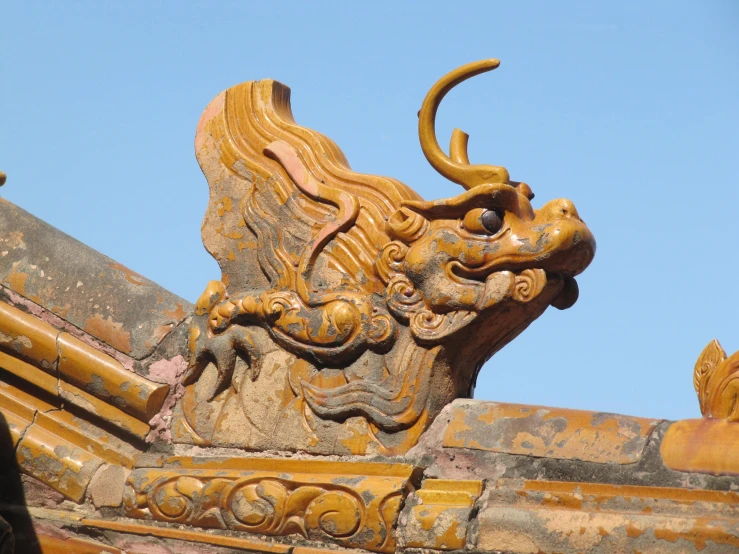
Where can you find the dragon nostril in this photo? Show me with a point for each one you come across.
(567, 209)
(560, 209)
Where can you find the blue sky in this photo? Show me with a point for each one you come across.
(628, 108)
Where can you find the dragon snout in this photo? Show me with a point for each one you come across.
(571, 243)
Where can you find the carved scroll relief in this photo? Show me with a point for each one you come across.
(352, 504)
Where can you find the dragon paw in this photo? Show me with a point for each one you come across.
(213, 339)
(222, 351)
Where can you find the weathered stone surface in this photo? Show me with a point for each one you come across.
(437, 515)
(451, 462)
(62, 465)
(525, 517)
(83, 287)
(547, 432)
(75, 370)
(107, 486)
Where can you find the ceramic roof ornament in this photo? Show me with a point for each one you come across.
(355, 287)
(317, 397)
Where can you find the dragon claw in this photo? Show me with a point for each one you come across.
(219, 350)
(225, 362)
(214, 340)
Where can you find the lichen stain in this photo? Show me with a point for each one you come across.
(131, 276)
(571, 502)
(557, 523)
(18, 343)
(17, 281)
(177, 314)
(159, 333)
(359, 440)
(110, 332)
(77, 400)
(14, 240)
(699, 536)
(633, 531)
(251, 245)
(224, 205)
(61, 311)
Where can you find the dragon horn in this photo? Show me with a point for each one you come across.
(458, 147)
(456, 168)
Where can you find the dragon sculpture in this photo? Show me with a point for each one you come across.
(351, 311)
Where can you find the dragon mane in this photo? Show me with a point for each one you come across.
(251, 117)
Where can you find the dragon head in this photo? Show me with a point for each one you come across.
(481, 255)
(463, 243)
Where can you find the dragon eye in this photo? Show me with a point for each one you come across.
(492, 221)
(482, 221)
